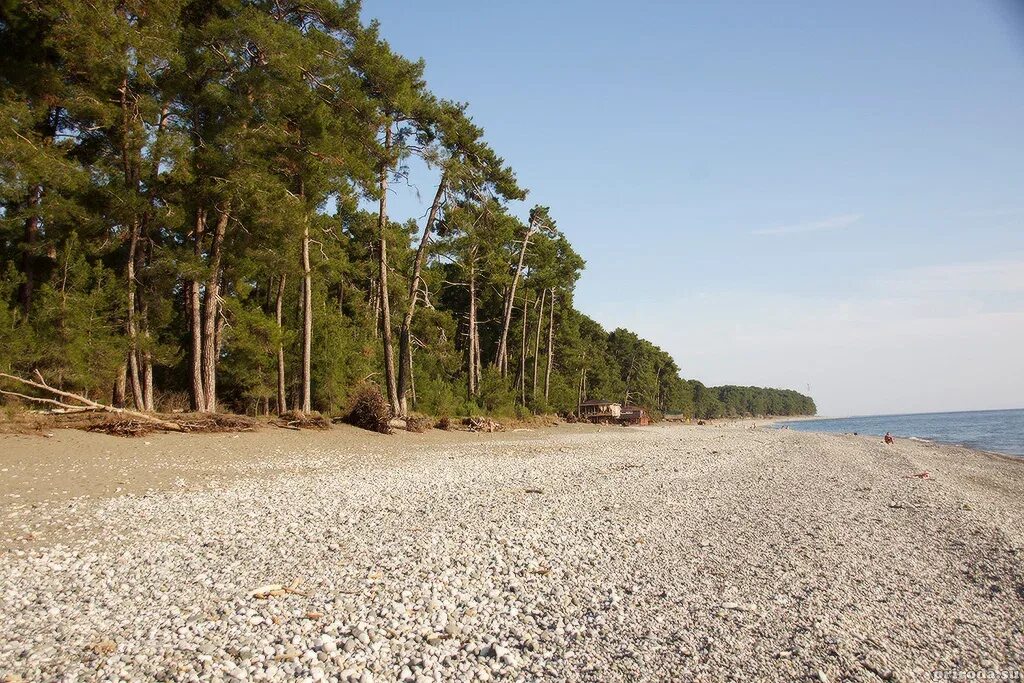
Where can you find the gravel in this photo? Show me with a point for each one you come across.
(662, 553)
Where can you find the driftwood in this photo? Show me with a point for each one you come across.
(297, 420)
(84, 404)
(482, 424)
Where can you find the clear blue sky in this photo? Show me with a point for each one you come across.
(823, 194)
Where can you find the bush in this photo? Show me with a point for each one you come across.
(368, 409)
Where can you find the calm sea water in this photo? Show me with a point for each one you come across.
(1000, 431)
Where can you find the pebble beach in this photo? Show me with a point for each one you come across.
(671, 552)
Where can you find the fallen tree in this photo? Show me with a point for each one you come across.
(83, 404)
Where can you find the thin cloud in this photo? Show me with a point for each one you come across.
(1004, 275)
(994, 213)
(832, 223)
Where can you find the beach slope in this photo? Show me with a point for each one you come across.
(660, 553)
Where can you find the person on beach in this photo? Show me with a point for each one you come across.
(889, 439)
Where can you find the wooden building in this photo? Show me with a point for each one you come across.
(634, 415)
(602, 412)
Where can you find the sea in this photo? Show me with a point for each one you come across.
(997, 431)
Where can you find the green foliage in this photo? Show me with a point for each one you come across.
(497, 396)
(77, 341)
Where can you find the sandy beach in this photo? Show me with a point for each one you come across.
(672, 552)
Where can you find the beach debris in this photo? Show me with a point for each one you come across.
(444, 423)
(919, 475)
(274, 590)
(418, 424)
(483, 424)
(369, 409)
(295, 419)
(533, 489)
(124, 422)
(129, 427)
(104, 647)
(78, 403)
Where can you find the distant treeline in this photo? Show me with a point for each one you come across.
(194, 214)
(733, 401)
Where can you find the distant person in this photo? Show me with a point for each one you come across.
(889, 439)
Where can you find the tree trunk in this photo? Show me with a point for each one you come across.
(478, 355)
(145, 261)
(133, 341)
(211, 310)
(474, 350)
(382, 280)
(412, 378)
(522, 350)
(117, 399)
(405, 332)
(551, 349)
(307, 323)
(579, 394)
(146, 358)
(501, 357)
(374, 301)
(147, 381)
(282, 399)
(536, 344)
(195, 328)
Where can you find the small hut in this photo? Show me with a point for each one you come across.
(601, 412)
(634, 415)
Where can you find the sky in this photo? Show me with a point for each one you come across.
(821, 196)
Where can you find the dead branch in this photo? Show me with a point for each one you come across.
(50, 401)
(86, 404)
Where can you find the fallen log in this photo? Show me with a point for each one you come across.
(85, 403)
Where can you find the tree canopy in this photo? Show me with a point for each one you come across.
(193, 214)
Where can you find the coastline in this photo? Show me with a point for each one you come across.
(895, 420)
(772, 554)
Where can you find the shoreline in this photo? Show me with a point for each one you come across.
(1012, 456)
(69, 466)
(771, 554)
